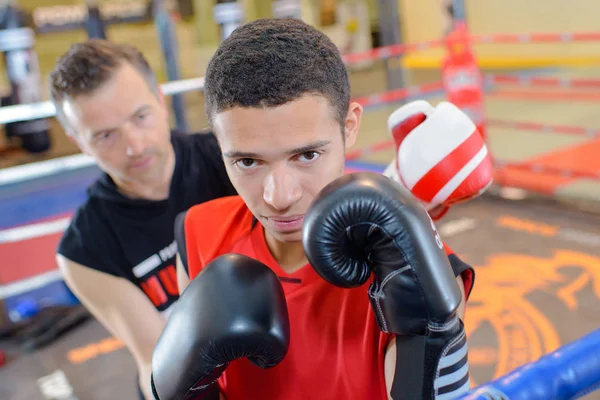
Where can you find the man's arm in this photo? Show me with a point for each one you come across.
(390, 352)
(463, 304)
(182, 277)
(122, 308)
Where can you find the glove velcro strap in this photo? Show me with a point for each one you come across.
(211, 394)
(205, 388)
(432, 366)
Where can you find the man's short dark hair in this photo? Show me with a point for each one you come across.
(271, 62)
(88, 65)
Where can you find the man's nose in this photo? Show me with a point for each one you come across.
(135, 141)
(282, 188)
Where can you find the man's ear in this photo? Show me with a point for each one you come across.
(352, 123)
(73, 139)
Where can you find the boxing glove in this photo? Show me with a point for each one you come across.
(234, 308)
(440, 155)
(365, 225)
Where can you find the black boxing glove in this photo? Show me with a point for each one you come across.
(364, 225)
(234, 308)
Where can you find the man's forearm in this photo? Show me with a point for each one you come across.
(144, 372)
(463, 303)
(182, 278)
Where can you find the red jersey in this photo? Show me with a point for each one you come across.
(336, 348)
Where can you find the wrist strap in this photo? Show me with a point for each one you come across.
(432, 366)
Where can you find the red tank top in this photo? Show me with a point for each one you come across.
(336, 348)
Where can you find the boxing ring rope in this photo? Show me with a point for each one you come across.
(541, 168)
(538, 37)
(397, 95)
(31, 111)
(26, 112)
(570, 371)
(574, 130)
(44, 168)
(546, 95)
(385, 52)
(542, 81)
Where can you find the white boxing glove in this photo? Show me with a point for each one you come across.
(440, 155)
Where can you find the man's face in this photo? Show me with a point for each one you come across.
(124, 126)
(279, 158)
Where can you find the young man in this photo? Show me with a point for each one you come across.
(118, 254)
(278, 97)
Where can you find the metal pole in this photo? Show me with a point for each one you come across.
(229, 15)
(287, 9)
(458, 10)
(454, 12)
(94, 25)
(389, 26)
(168, 42)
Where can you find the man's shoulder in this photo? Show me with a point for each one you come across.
(87, 218)
(212, 228)
(200, 159)
(225, 212)
(203, 140)
(87, 236)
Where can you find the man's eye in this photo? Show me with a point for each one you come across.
(246, 163)
(309, 156)
(100, 137)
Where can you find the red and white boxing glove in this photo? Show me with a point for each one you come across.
(440, 155)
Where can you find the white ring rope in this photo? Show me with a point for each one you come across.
(44, 168)
(28, 112)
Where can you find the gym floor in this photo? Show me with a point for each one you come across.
(537, 261)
